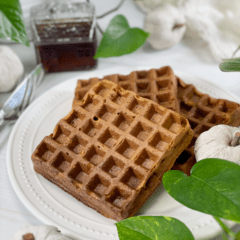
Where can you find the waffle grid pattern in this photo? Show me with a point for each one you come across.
(158, 85)
(202, 112)
(200, 109)
(111, 143)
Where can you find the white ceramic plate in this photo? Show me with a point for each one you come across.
(53, 206)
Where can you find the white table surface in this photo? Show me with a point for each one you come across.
(195, 61)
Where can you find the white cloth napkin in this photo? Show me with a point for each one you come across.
(211, 23)
(215, 25)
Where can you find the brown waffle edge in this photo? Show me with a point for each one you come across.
(159, 85)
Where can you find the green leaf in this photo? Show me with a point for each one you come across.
(238, 236)
(212, 188)
(153, 228)
(230, 65)
(226, 229)
(11, 22)
(120, 39)
(224, 236)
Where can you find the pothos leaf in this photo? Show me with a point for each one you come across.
(153, 228)
(224, 236)
(11, 22)
(238, 236)
(230, 65)
(212, 188)
(120, 39)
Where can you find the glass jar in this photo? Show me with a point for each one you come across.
(64, 35)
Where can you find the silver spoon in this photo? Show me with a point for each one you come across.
(21, 97)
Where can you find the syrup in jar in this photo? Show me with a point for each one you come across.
(64, 35)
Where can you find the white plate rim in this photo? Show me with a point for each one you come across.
(14, 182)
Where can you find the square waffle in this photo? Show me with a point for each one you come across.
(111, 151)
(202, 112)
(158, 85)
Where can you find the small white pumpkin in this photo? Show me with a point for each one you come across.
(166, 25)
(44, 232)
(220, 141)
(11, 68)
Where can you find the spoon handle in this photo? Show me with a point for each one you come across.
(18, 100)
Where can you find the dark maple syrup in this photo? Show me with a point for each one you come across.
(62, 42)
(60, 57)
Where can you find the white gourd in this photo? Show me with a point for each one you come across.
(44, 232)
(216, 143)
(11, 69)
(166, 25)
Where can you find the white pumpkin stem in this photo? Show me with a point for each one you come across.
(178, 25)
(235, 141)
(28, 236)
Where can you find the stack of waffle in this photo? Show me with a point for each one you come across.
(166, 89)
(112, 150)
(123, 133)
